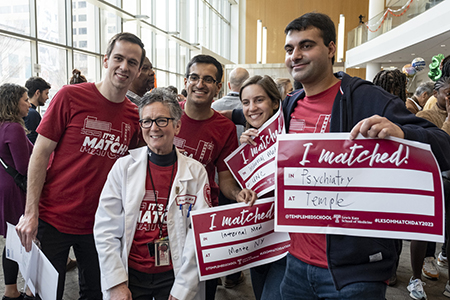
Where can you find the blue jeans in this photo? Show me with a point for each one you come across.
(266, 280)
(307, 282)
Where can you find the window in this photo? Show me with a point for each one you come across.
(82, 30)
(74, 18)
(83, 44)
(82, 18)
(74, 31)
(82, 4)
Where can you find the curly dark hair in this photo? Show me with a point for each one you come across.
(392, 81)
(10, 95)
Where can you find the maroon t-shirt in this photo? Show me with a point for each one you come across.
(92, 133)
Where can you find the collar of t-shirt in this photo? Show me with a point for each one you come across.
(163, 160)
(233, 94)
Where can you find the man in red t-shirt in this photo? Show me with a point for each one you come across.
(87, 127)
(206, 135)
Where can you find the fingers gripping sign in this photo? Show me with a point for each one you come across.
(376, 127)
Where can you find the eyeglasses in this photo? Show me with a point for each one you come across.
(194, 78)
(160, 122)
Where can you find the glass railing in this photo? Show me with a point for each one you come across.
(387, 20)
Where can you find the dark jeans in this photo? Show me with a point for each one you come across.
(145, 286)
(266, 279)
(10, 269)
(56, 245)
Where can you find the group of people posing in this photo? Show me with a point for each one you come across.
(118, 181)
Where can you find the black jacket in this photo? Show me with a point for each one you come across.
(356, 259)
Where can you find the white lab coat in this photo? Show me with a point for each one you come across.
(117, 213)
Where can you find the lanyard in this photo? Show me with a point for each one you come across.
(156, 199)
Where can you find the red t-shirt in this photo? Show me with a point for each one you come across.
(312, 115)
(209, 142)
(92, 133)
(147, 229)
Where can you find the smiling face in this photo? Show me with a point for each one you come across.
(308, 59)
(202, 92)
(257, 106)
(122, 65)
(159, 139)
(24, 105)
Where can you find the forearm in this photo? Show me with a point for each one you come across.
(37, 172)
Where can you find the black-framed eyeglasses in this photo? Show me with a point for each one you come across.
(194, 78)
(160, 122)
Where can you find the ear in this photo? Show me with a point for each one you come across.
(275, 106)
(37, 93)
(219, 86)
(105, 61)
(229, 85)
(331, 49)
(178, 128)
(185, 84)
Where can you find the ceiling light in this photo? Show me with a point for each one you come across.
(413, 54)
(442, 46)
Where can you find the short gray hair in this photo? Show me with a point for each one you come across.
(424, 87)
(165, 97)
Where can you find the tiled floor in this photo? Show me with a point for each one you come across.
(244, 291)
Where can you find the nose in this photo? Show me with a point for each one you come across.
(296, 54)
(200, 82)
(154, 126)
(251, 106)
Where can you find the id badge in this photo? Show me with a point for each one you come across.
(162, 252)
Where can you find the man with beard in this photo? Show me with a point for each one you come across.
(143, 83)
(38, 90)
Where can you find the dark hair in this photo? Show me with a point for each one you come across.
(317, 20)
(446, 66)
(184, 92)
(77, 77)
(297, 85)
(392, 81)
(129, 37)
(36, 83)
(206, 59)
(441, 82)
(10, 95)
(164, 96)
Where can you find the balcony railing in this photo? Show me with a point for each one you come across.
(385, 21)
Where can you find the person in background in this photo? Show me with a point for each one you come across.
(15, 151)
(284, 86)
(260, 97)
(423, 92)
(38, 90)
(438, 115)
(77, 77)
(149, 182)
(143, 83)
(393, 82)
(445, 68)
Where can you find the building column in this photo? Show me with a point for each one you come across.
(375, 7)
(371, 70)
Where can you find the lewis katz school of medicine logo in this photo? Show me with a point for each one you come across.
(207, 194)
(101, 139)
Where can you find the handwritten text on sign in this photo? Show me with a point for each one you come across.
(253, 167)
(236, 237)
(364, 187)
